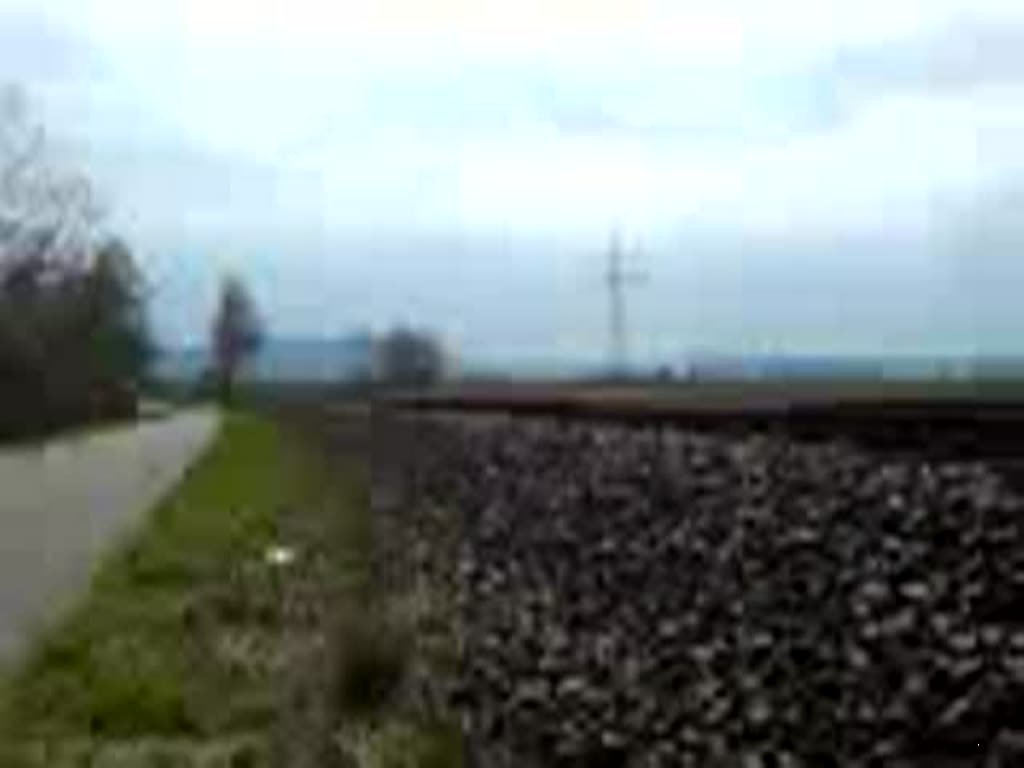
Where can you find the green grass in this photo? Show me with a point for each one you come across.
(400, 744)
(133, 658)
(190, 649)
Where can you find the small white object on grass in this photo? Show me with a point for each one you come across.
(279, 556)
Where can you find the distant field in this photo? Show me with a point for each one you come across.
(739, 393)
(969, 419)
(723, 394)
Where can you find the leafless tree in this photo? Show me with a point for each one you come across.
(49, 215)
(237, 333)
(74, 342)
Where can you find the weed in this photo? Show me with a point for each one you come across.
(374, 656)
(411, 745)
(134, 657)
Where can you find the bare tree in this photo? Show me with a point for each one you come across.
(74, 342)
(408, 357)
(237, 334)
(49, 215)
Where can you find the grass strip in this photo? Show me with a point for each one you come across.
(138, 656)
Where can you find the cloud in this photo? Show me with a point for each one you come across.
(972, 53)
(801, 143)
(39, 49)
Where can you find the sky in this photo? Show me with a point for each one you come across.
(799, 176)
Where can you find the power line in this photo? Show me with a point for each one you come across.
(619, 279)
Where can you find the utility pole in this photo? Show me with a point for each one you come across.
(618, 279)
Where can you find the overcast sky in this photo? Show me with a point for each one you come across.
(794, 175)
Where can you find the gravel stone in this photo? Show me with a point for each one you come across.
(638, 596)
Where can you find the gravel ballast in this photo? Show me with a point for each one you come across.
(654, 597)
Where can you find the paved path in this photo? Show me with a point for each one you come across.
(63, 502)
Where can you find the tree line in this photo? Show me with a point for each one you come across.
(75, 343)
(404, 357)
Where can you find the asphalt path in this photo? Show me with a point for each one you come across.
(66, 501)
